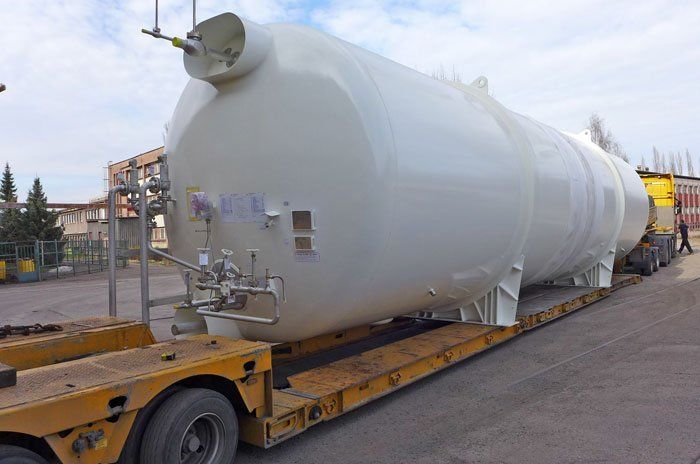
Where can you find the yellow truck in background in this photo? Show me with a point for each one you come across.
(658, 245)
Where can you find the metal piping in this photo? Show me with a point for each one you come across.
(172, 258)
(240, 317)
(143, 250)
(156, 28)
(194, 15)
(112, 251)
(194, 304)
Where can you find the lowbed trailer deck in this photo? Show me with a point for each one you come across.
(87, 393)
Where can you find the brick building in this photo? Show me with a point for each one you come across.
(688, 192)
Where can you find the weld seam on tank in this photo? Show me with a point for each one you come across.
(394, 157)
(527, 156)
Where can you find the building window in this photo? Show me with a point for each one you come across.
(158, 234)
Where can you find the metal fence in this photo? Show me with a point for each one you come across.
(39, 260)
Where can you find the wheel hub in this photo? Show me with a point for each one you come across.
(202, 440)
(192, 443)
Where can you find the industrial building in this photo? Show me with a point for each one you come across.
(90, 222)
(85, 223)
(688, 193)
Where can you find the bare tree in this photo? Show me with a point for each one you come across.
(664, 166)
(675, 163)
(603, 137)
(656, 159)
(643, 164)
(689, 163)
(679, 164)
(166, 128)
(442, 75)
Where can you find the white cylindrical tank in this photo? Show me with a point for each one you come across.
(396, 192)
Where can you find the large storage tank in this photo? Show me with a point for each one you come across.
(396, 192)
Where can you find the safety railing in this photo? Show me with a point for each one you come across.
(45, 259)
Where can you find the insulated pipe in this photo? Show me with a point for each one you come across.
(143, 251)
(112, 252)
(172, 258)
(194, 304)
(239, 317)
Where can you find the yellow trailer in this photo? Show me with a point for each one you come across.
(102, 390)
(661, 188)
(661, 232)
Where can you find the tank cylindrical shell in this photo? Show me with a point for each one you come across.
(413, 184)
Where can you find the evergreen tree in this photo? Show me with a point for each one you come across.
(8, 189)
(10, 219)
(38, 222)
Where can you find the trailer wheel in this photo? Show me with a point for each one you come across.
(667, 257)
(15, 455)
(655, 262)
(132, 447)
(193, 426)
(647, 269)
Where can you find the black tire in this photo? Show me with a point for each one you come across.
(15, 455)
(193, 426)
(647, 269)
(655, 262)
(132, 447)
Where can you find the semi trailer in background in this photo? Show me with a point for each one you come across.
(657, 247)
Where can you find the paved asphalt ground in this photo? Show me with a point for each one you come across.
(616, 382)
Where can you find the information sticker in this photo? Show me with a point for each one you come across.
(307, 256)
(242, 207)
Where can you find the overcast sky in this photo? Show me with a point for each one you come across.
(84, 86)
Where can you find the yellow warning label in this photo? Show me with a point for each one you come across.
(192, 211)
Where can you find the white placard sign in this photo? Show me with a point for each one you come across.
(242, 207)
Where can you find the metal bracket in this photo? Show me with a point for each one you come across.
(481, 83)
(585, 135)
(599, 275)
(497, 307)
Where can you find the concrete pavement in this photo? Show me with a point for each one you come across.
(69, 297)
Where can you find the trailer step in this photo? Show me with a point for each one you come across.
(75, 340)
